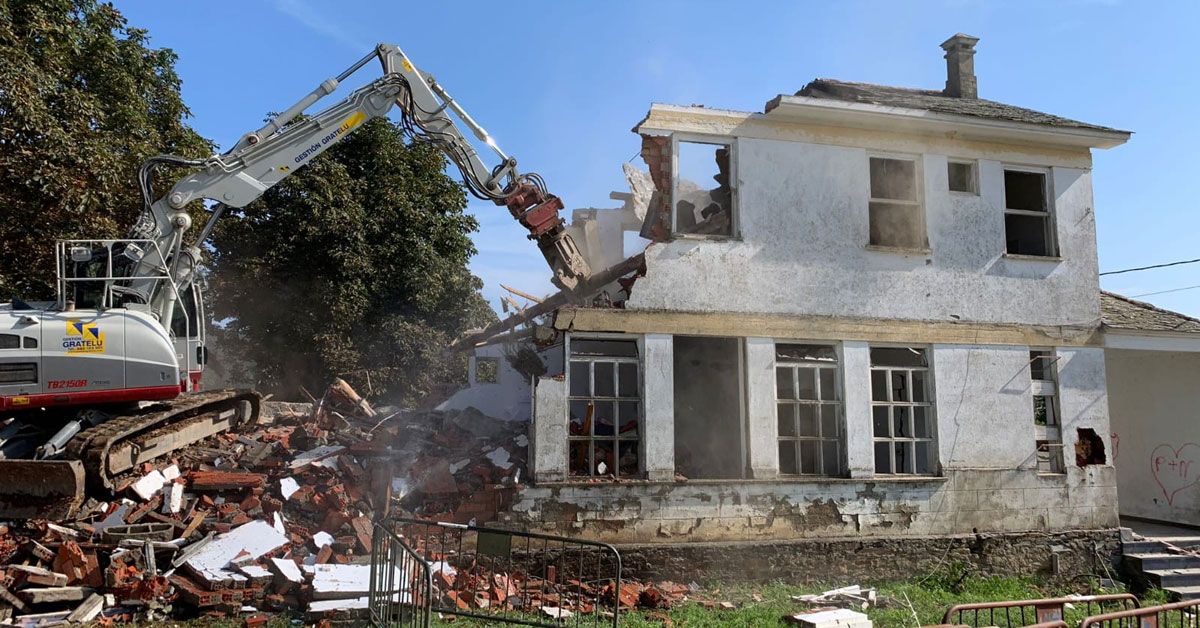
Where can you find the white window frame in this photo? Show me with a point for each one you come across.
(838, 403)
(734, 210)
(919, 175)
(1050, 216)
(616, 437)
(1048, 437)
(974, 164)
(929, 404)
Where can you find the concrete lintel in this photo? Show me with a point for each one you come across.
(820, 328)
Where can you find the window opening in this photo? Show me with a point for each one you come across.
(902, 411)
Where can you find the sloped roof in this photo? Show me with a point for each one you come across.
(1118, 312)
(936, 101)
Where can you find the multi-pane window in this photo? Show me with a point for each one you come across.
(808, 407)
(1043, 373)
(1028, 223)
(605, 408)
(901, 411)
(896, 216)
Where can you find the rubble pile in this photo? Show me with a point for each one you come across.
(275, 516)
(468, 589)
(458, 466)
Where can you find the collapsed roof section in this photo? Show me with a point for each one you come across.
(600, 235)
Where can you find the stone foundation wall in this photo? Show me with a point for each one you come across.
(846, 561)
(961, 502)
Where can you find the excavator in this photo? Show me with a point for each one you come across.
(108, 376)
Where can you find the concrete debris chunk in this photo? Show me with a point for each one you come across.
(173, 499)
(836, 618)
(288, 487)
(845, 597)
(341, 604)
(287, 570)
(330, 582)
(51, 595)
(321, 539)
(315, 455)
(253, 539)
(88, 610)
(149, 485)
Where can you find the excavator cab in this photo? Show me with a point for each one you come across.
(98, 347)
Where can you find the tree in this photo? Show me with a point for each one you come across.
(83, 101)
(355, 264)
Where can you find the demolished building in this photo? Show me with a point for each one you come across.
(865, 313)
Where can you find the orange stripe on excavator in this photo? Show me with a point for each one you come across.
(92, 397)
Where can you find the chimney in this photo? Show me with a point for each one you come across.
(960, 66)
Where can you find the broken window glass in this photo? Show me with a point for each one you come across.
(1028, 224)
(961, 175)
(902, 414)
(605, 407)
(802, 353)
(896, 217)
(703, 192)
(808, 404)
(897, 356)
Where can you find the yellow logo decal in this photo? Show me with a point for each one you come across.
(407, 66)
(352, 122)
(83, 337)
(20, 401)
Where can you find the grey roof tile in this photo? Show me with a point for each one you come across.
(935, 100)
(1118, 312)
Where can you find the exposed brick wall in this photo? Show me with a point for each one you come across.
(656, 152)
(870, 560)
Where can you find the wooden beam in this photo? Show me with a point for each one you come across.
(586, 290)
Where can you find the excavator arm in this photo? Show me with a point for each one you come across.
(264, 157)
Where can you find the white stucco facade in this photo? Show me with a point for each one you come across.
(992, 414)
(1154, 390)
(803, 242)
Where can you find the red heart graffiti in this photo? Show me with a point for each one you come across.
(1175, 468)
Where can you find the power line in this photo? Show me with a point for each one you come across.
(1130, 270)
(1150, 294)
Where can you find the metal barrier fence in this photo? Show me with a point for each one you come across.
(401, 583)
(1043, 613)
(497, 575)
(1178, 615)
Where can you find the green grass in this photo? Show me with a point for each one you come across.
(925, 598)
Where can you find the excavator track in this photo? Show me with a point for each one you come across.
(113, 447)
(96, 458)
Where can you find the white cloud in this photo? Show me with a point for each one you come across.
(308, 16)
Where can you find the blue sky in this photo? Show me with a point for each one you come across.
(560, 84)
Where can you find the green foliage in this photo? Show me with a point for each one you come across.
(83, 101)
(355, 264)
(921, 601)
